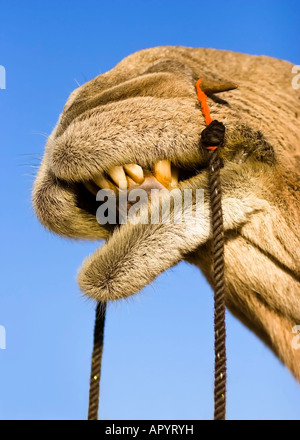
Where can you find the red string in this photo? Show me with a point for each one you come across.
(204, 107)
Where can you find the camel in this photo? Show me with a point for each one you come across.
(138, 126)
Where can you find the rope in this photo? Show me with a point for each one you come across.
(219, 287)
(211, 138)
(96, 361)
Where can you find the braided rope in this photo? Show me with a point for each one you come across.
(96, 361)
(212, 137)
(219, 286)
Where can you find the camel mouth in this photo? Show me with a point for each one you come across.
(120, 181)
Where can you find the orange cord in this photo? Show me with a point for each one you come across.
(204, 107)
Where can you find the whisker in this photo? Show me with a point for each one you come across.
(28, 165)
(28, 175)
(30, 154)
(41, 133)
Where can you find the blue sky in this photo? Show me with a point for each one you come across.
(158, 357)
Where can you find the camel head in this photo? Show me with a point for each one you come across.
(138, 126)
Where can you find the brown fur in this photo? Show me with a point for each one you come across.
(146, 109)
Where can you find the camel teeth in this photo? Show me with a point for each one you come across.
(135, 172)
(117, 174)
(122, 177)
(162, 172)
(104, 183)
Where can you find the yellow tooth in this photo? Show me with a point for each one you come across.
(104, 183)
(135, 172)
(130, 182)
(117, 174)
(162, 172)
(174, 176)
(91, 186)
